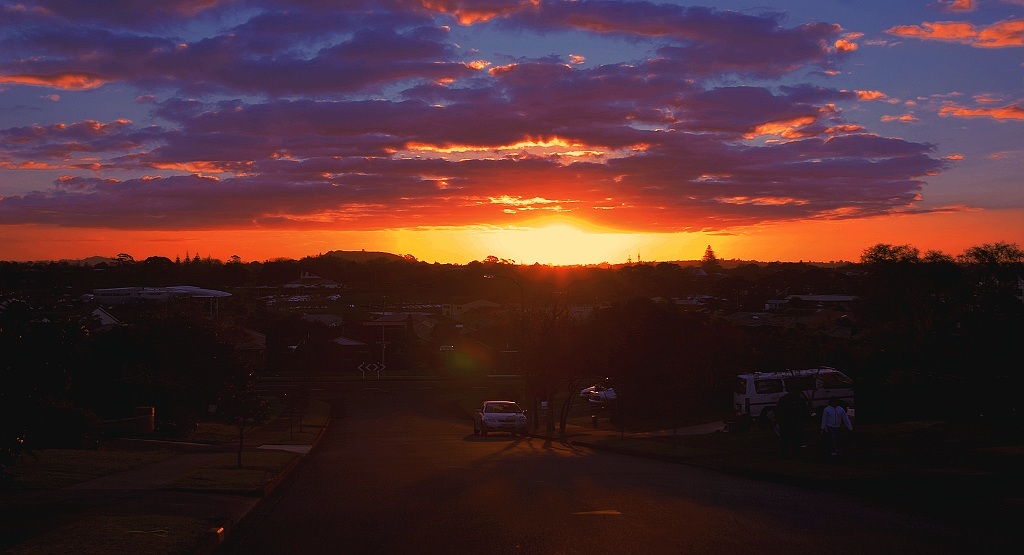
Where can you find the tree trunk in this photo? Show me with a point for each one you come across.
(241, 442)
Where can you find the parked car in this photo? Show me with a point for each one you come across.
(598, 394)
(499, 416)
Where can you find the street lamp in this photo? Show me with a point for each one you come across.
(522, 309)
(383, 326)
(522, 333)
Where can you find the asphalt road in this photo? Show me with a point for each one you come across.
(400, 471)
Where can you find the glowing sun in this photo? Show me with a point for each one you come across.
(559, 244)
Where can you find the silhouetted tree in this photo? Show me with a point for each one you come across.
(171, 358)
(554, 361)
(885, 253)
(934, 256)
(709, 263)
(993, 255)
(242, 407)
(39, 361)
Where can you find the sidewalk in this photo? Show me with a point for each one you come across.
(47, 521)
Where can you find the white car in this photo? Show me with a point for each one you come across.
(499, 416)
(598, 394)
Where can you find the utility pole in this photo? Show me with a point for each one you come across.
(522, 310)
(383, 327)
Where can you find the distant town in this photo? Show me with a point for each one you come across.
(85, 344)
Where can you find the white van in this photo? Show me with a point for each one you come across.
(757, 393)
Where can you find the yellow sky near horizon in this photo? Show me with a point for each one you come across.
(558, 242)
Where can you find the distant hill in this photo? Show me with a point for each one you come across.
(91, 261)
(363, 256)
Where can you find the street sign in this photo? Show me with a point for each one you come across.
(377, 367)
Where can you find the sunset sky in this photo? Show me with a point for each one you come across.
(543, 131)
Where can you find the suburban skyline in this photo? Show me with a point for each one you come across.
(536, 131)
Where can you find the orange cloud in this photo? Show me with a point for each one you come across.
(67, 81)
(845, 128)
(468, 15)
(760, 201)
(939, 30)
(29, 165)
(904, 118)
(847, 44)
(518, 204)
(870, 95)
(1003, 34)
(519, 201)
(196, 167)
(785, 128)
(1010, 112)
(554, 145)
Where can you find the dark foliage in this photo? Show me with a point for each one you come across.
(927, 336)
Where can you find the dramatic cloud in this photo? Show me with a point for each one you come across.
(1004, 34)
(70, 81)
(907, 118)
(1009, 112)
(370, 115)
(960, 5)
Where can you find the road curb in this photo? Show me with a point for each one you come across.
(287, 470)
(218, 535)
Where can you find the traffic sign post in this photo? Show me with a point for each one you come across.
(371, 367)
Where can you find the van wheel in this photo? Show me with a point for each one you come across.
(767, 418)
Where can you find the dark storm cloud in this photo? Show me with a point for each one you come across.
(126, 13)
(317, 114)
(704, 41)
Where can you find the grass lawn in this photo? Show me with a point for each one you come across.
(121, 533)
(313, 422)
(259, 467)
(214, 433)
(871, 451)
(57, 468)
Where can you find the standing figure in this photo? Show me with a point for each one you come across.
(791, 414)
(832, 419)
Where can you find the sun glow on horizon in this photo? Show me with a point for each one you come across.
(559, 243)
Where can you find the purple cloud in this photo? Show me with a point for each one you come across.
(312, 114)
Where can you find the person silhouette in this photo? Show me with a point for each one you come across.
(791, 414)
(833, 419)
